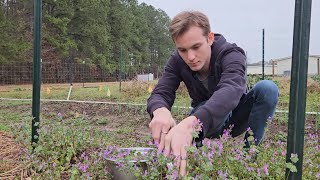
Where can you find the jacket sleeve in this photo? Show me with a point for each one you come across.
(164, 93)
(227, 94)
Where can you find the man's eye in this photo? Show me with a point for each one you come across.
(196, 47)
(182, 50)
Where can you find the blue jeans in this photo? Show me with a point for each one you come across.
(253, 110)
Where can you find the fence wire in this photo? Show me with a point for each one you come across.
(21, 73)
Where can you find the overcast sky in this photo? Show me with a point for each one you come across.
(242, 21)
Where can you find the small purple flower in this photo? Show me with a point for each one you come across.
(252, 150)
(226, 134)
(318, 175)
(21, 125)
(175, 174)
(83, 167)
(157, 144)
(249, 169)
(150, 143)
(220, 146)
(210, 155)
(106, 153)
(170, 166)
(223, 175)
(88, 175)
(145, 173)
(120, 165)
(166, 152)
(279, 142)
(312, 136)
(207, 143)
(238, 157)
(265, 169)
(258, 171)
(83, 154)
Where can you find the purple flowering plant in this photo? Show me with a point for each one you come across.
(63, 150)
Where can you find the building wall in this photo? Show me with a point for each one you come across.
(284, 66)
(313, 66)
(258, 70)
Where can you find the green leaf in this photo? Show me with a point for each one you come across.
(291, 167)
(294, 158)
(38, 149)
(251, 138)
(36, 124)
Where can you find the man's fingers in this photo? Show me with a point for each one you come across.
(162, 142)
(157, 130)
(173, 123)
(176, 152)
(183, 161)
(167, 144)
(156, 133)
(165, 129)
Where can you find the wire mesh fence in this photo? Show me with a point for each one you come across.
(21, 73)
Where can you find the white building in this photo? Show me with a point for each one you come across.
(145, 77)
(258, 69)
(283, 65)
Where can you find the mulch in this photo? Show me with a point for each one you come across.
(11, 165)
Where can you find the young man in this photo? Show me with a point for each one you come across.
(213, 71)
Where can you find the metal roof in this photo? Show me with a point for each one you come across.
(290, 57)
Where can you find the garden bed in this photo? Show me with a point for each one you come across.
(99, 126)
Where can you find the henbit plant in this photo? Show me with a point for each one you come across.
(252, 79)
(316, 78)
(223, 158)
(218, 159)
(64, 151)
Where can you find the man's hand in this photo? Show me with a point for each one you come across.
(160, 125)
(178, 138)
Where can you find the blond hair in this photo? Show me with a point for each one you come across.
(185, 19)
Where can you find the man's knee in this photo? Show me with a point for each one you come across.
(268, 91)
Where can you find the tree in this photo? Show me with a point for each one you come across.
(14, 44)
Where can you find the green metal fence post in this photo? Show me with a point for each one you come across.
(263, 53)
(120, 67)
(299, 70)
(36, 87)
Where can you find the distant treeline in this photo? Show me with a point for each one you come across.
(95, 32)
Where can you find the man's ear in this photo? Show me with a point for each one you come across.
(210, 38)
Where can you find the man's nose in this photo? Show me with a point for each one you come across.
(191, 55)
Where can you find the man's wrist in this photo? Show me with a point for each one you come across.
(160, 111)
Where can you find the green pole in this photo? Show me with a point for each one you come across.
(124, 65)
(263, 53)
(120, 66)
(36, 71)
(299, 71)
